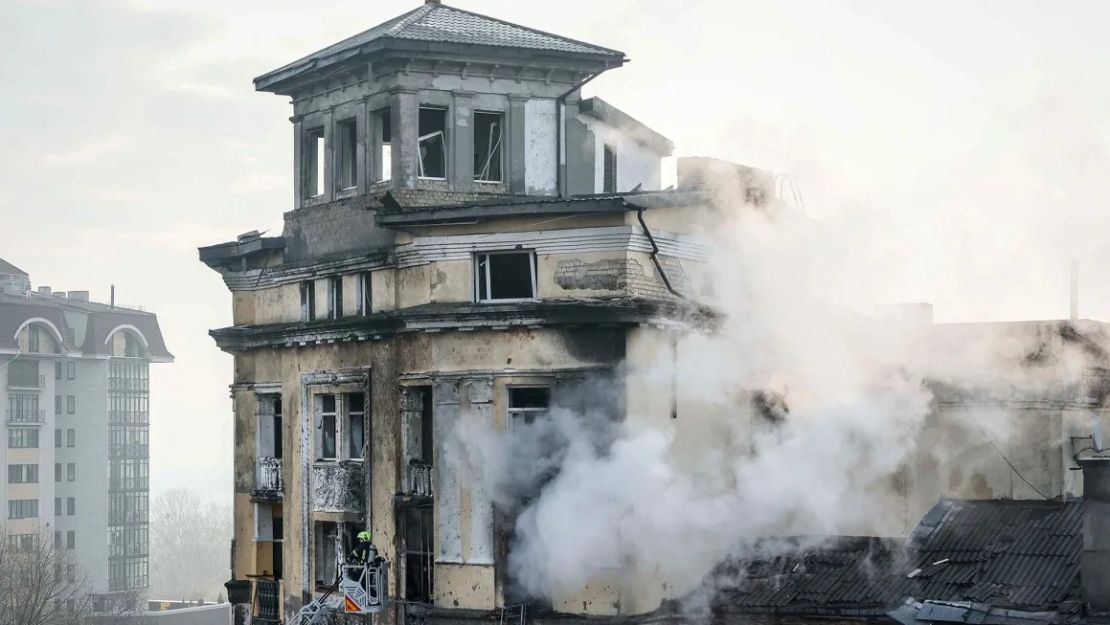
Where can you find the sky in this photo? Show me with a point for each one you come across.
(954, 151)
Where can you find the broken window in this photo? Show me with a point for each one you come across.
(335, 297)
(314, 163)
(433, 143)
(609, 172)
(383, 150)
(488, 139)
(356, 411)
(269, 425)
(364, 284)
(308, 300)
(505, 276)
(328, 431)
(347, 131)
(527, 403)
(418, 533)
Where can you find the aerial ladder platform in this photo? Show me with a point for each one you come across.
(363, 588)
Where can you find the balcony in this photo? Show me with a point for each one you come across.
(339, 487)
(419, 479)
(26, 415)
(268, 481)
(27, 384)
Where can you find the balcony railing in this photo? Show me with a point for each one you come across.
(38, 384)
(26, 415)
(268, 481)
(420, 478)
(339, 487)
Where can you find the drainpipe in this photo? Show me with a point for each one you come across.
(654, 251)
(560, 138)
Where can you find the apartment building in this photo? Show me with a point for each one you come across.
(470, 240)
(77, 420)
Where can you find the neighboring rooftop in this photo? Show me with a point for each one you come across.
(435, 24)
(1015, 555)
(10, 269)
(84, 326)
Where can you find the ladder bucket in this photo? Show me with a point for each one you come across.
(365, 587)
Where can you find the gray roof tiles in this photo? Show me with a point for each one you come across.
(442, 24)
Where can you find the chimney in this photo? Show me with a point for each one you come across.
(1094, 561)
(79, 296)
(44, 291)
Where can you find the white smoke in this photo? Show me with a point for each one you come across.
(656, 504)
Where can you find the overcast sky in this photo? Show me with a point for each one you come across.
(955, 150)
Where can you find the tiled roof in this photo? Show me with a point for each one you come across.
(1008, 554)
(443, 24)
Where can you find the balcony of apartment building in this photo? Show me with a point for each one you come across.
(339, 487)
(268, 481)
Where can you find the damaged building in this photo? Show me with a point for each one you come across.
(469, 238)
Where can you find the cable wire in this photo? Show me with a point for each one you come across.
(1005, 459)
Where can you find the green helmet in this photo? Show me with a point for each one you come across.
(364, 536)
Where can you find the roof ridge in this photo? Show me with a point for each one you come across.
(523, 27)
(405, 20)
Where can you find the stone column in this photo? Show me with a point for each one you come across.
(404, 130)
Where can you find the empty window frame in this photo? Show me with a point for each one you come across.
(314, 151)
(335, 297)
(609, 169)
(356, 424)
(527, 403)
(432, 143)
(489, 133)
(328, 425)
(365, 282)
(347, 153)
(504, 276)
(308, 300)
(383, 148)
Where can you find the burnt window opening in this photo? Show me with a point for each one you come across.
(335, 297)
(528, 403)
(356, 424)
(365, 304)
(489, 132)
(333, 542)
(269, 425)
(500, 276)
(314, 163)
(347, 131)
(609, 170)
(308, 301)
(432, 148)
(418, 533)
(419, 442)
(383, 148)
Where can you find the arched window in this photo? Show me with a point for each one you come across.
(38, 336)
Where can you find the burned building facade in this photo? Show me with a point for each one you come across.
(469, 238)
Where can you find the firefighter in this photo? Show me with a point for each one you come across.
(365, 552)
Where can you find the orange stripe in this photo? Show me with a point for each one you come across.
(350, 605)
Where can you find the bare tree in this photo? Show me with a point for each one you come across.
(190, 540)
(39, 584)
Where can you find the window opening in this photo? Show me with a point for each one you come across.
(433, 143)
(308, 301)
(505, 276)
(609, 179)
(488, 139)
(327, 427)
(356, 420)
(314, 162)
(383, 146)
(335, 303)
(348, 153)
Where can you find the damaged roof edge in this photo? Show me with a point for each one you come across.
(223, 253)
(516, 207)
(603, 111)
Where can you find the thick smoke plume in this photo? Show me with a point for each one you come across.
(796, 418)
